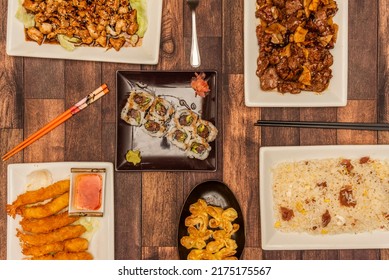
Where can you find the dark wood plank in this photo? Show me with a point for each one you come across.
(11, 80)
(160, 253)
(159, 204)
(384, 254)
(318, 136)
(50, 147)
(128, 216)
(282, 255)
(241, 157)
(383, 61)
(359, 254)
(320, 255)
(278, 136)
(233, 59)
(83, 131)
(357, 111)
(7, 139)
(41, 72)
(172, 39)
(208, 19)
(252, 253)
(362, 44)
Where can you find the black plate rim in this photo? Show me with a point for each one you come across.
(239, 210)
(120, 72)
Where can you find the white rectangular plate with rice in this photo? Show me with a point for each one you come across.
(334, 96)
(102, 243)
(148, 53)
(273, 239)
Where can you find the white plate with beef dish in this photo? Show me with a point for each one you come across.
(143, 49)
(324, 197)
(335, 95)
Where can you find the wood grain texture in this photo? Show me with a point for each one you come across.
(359, 254)
(7, 139)
(160, 253)
(208, 18)
(362, 47)
(11, 80)
(320, 255)
(159, 200)
(233, 58)
(241, 156)
(40, 72)
(83, 131)
(50, 147)
(278, 136)
(357, 111)
(128, 216)
(383, 61)
(318, 136)
(148, 205)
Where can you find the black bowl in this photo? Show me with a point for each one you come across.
(215, 193)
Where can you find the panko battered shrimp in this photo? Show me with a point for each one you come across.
(65, 256)
(61, 234)
(45, 210)
(47, 224)
(72, 245)
(39, 195)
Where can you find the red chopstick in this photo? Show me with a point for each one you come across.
(85, 102)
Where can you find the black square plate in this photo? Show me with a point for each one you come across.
(157, 153)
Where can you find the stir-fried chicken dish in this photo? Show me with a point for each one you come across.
(102, 23)
(295, 38)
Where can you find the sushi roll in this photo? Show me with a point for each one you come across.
(154, 127)
(132, 116)
(206, 130)
(179, 137)
(140, 100)
(161, 109)
(185, 119)
(198, 148)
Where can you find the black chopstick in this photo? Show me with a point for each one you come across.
(329, 125)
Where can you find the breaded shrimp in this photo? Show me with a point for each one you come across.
(39, 195)
(45, 210)
(65, 256)
(61, 234)
(47, 224)
(72, 245)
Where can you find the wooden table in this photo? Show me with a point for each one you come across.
(148, 205)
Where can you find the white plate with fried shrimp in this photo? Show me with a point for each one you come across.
(34, 31)
(38, 225)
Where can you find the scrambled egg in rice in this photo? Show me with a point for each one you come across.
(331, 196)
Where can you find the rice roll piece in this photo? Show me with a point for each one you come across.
(161, 109)
(132, 116)
(206, 130)
(140, 100)
(198, 148)
(154, 127)
(185, 119)
(179, 137)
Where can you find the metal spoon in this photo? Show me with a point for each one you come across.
(194, 53)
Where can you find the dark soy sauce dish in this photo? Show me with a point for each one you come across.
(215, 193)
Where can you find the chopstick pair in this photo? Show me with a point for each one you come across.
(329, 125)
(82, 104)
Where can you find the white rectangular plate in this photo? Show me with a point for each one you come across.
(102, 243)
(148, 53)
(276, 240)
(334, 96)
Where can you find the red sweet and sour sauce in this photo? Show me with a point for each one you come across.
(88, 191)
